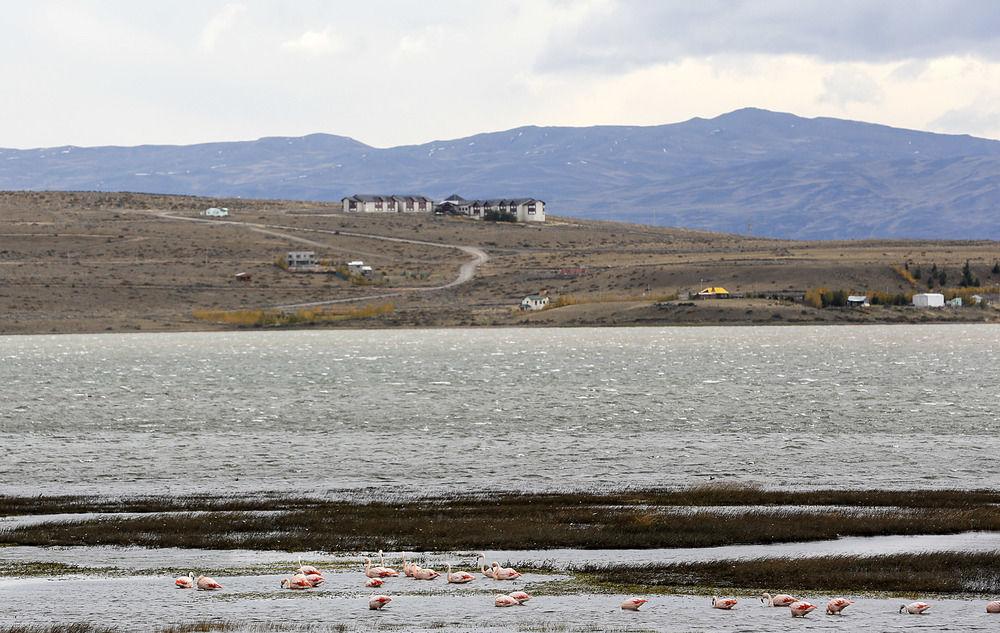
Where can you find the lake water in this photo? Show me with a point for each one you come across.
(417, 411)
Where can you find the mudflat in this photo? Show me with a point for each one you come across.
(95, 262)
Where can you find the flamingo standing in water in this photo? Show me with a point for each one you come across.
(780, 600)
(378, 572)
(185, 582)
(298, 581)
(633, 604)
(504, 573)
(207, 584)
(520, 596)
(459, 577)
(377, 602)
(425, 573)
(374, 582)
(482, 566)
(723, 603)
(993, 607)
(835, 606)
(914, 608)
(501, 600)
(801, 608)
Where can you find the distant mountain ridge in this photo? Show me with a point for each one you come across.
(751, 170)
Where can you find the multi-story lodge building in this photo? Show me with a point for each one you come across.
(387, 204)
(522, 209)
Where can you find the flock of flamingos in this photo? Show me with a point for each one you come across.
(307, 577)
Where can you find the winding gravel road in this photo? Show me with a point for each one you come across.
(465, 273)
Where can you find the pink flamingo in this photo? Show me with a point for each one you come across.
(425, 573)
(482, 566)
(801, 608)
(504, 573)
(207, 584)
(520, 596)
(723, 603)
(308, 570)
(408, 567)
(505, 601)
(185, 582)
(633, 604)
(835, 606)
(459, 577)
(298, 581)
(914, 608)
(374, 582)
(378, 572)
(315, 579)
(381, 563)
(993, 607)
(377, 602)
(780, 600)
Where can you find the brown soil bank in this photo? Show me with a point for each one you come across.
(94, 262)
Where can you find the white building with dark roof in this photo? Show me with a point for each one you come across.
(363, 203)
(521, 209)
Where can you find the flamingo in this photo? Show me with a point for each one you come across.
(298, 581)
(504, 573)
(425, 573)
(993, 607)
(914, 608)
(381, 563)
(308, 570)
(378, 572)
(185, 582)
(377, 602)
(633, 604)
(780, 600)
(207, 584)
(520, 596)
(835, 606)
(501, 600)
(315, 579)
(408, 567)
(801, 608)
(460, 577)
(723, 603)
(482, 566)
(374, 582)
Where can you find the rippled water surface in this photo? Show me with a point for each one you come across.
(453, 410)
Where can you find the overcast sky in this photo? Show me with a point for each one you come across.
(388, 72)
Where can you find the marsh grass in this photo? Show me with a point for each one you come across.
(514, 522)
(935, 572)
(76, 627)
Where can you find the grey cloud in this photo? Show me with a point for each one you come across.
(849, 85)
(636, 33)
(972, 119)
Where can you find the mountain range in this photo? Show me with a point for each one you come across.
(749, 171)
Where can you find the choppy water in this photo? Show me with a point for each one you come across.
(436, 410)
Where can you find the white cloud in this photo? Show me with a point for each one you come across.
(220, 24)
(847, 85)
(314, 42)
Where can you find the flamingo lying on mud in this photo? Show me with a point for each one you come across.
(520, 596)
(801, 608)
(409, 567)
(308, 570)
(504, 573)
(914, 608)
(835, 606)
(780, 600)
(378, 572)
(381, 563)
(501, 600)
(425, 573)
(377, 602)
(298, 581)
(633, 604)
(207, 584)
(993, 607)
(459, 577)
(185, 582)
(374, 582)
(315, 579)
(723, 603)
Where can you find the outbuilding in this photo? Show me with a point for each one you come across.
(534, 302)
(713, 292)
(929, 300)
(216, 212)
(858, 301)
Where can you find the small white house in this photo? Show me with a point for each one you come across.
(929, 300)
(216, 212)
(367, 271)
(355, 266)
(534, 302)
(858, 301)
(300, 259)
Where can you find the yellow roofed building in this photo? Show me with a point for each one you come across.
(714, 292)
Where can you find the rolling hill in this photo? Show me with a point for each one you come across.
(748, 171)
